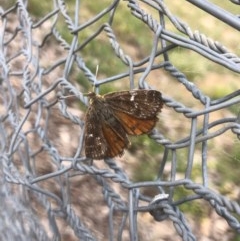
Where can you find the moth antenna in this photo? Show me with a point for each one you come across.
(96, 73)
(94, 85)
(68, 96)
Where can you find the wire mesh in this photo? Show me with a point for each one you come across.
(49, 190)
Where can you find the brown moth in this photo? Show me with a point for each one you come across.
(111, 117)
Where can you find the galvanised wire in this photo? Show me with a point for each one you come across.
(30, 91)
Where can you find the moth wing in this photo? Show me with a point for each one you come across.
(103, 138)
(95, 143)
(133, 125)
(143, 104)
(117, 140)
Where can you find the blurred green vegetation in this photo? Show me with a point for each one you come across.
(194, 208)
(147, 152)
(228, 166)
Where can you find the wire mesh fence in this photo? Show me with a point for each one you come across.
(49, 189)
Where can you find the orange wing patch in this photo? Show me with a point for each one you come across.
(133, 125)
(116, 143)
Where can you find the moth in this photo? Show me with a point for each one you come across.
(112, 117)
